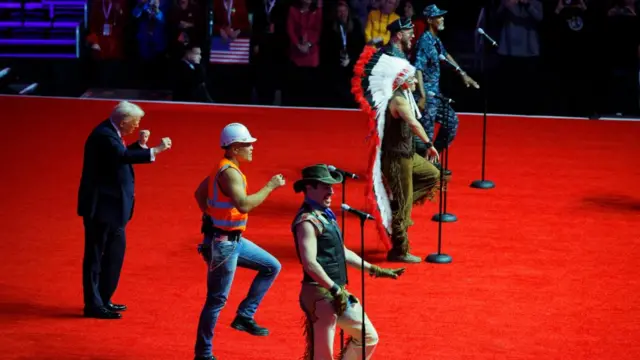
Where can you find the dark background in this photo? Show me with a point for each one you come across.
(573, 82)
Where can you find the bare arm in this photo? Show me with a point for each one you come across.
(232, 186)
(465, 77)
(356, 261)
(401, 107)
(455, 64)
(307, 245)
(201, 194)
(450, 58)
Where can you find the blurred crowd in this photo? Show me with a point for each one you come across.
(302, 52)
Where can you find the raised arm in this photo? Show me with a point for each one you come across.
(232, 185)
(115, 149)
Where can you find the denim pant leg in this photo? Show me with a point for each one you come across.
(224, 260)
(253, 257)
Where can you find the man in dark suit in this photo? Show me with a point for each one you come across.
(189, 78)
(106, 201)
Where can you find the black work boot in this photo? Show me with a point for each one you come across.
(249, 325)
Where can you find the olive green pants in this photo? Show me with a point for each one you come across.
(411, 181)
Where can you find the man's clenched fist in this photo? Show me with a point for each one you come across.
(277, 181)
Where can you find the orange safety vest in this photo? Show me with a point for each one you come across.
(223, 214)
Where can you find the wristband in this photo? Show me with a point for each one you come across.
(429, 145)
(373, 270)
(334, 289)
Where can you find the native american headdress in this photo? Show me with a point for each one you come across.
(376, 77)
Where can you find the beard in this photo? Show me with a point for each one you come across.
(405, 45)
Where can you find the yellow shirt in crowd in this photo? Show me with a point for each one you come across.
(376, 29)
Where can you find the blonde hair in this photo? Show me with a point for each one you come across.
(125, 109)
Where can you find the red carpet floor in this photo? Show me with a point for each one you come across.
(545, 265)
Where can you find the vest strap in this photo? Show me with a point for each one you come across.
(214, 201)
(312, 218)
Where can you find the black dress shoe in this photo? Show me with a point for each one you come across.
(205, 358)
(249, 325)
(101, 313)
(116, 307)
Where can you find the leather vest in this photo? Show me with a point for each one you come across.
(398, 137)
(330, 246)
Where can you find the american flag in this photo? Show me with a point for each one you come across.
(234, 52)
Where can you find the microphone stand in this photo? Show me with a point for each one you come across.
(342, 211)
(483, 183)
(439, 257)
(442, 215)
(364, 344)
(363, 219)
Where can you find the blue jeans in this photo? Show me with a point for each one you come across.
(226, 256)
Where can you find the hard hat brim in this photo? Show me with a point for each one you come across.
(250, 140)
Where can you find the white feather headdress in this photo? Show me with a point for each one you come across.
(376, 77)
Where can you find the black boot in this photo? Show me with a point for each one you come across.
(249, 325)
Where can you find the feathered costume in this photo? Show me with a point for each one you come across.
(376, 77)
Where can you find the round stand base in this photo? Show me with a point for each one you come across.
(483, 184)
(446, 217)
(438, 258)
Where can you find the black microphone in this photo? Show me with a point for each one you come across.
(361, 214)
(481, 32)
(343, 172)
(441, 97)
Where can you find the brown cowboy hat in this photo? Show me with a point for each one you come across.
(320, 173)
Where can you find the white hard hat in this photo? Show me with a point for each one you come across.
(235, 133)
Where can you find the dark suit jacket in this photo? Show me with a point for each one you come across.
(189, 84)
(106, 191)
